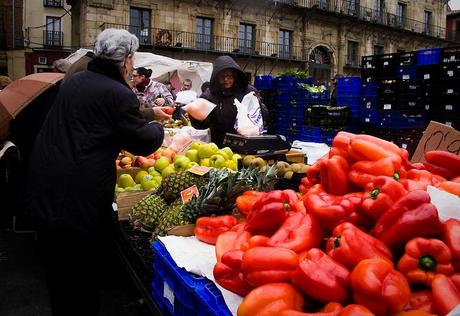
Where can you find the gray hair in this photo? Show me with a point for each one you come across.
(61, 65)
(115, 45)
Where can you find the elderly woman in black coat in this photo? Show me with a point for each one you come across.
(72, 172)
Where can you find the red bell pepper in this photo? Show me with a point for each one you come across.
(329, 209)
(451, 236)
(207, 229)
(411, 216)
(262, 265)
(380, 195)
(313, 173)
(245, 202)
(255, 241)
(379, 287)
(413, 313)
(299, 232)
(420, 180)
(445, 295)
(349, 245)
(334, 175)
(451, 187)
(423, 259)
(356, 310)
(228, 273)
(330, 309)
(321, 277)
(421, 300)
(271, 299)
(230, 240)
(363, 172)
(455, 278)
(443, 163)
(342, 140)
(270, 211)
(363, 149)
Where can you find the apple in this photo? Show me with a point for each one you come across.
(236, 157)
(229, 152)
(217, 161)
(158, 178)
(118, 189)
(148, 183)
(195, 145)
(223, 154)
(153, 172)
(181, 163)
(207, 150)
(177, 157)
(289, 174)
(136, 187)
(125, 180)
(161, 163)
(140, 175)
(169, 153)
(205, 162)
(192, 164)
(192, 154)
(126, 166)
(126, 161)
(232, 165)
(260, 163)
(247, 160)
(168, 170)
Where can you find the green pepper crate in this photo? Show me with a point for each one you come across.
(180, 293)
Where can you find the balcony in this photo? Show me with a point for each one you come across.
(178, 40)
(453, 36)
(53, 39)
(53, 3)
(352, 9)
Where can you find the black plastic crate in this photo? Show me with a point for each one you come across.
(407, 59)
(387, 65)
(428, 89)
(450, 71)
(448, 106)
(369, 63)
(369, 103)
(409, 103)
(428, 104)
(449, 88)
(387, 104)
(327, 116)
(387, 88)
(408, 87)
(450, 55)
(428, 73)
(448, 120)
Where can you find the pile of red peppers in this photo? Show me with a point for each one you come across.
(362, 237)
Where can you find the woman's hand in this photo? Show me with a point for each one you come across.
(159, 101)
(160, 114)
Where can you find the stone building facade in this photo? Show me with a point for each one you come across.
(324, 37)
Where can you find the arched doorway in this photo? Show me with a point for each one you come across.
(319, 64)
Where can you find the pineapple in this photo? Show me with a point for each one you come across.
(218, 195)
(173, 216)
(176, 182)
(146, 213)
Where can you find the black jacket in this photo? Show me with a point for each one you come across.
(222, 119)
(72, 173)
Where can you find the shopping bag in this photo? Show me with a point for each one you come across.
(249, 120)
(199, 109)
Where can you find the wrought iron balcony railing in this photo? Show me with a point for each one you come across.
(53, 38)
(164, 38)
(382, 17)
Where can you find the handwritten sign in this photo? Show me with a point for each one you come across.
(189, 193)
(437, 136)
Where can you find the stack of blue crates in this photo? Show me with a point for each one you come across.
(349, 94)
(369, 114)
(180, 293)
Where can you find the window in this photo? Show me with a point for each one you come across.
(379, 7)
(52, 3)
(204, 33)
(401, 15)
(427, 22)
(285, 44)
(323, 4)
(247, 38)
(379, 50)
(139, 25)
(352, 51)
(53, 34)
(352, 7)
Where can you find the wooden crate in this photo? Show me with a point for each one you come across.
(126, 200)
(132, 171)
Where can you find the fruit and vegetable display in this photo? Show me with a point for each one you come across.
(361, 238)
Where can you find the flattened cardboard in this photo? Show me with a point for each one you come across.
(437, 136)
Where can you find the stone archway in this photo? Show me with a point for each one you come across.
(320, 63)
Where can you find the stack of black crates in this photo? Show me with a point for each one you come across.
(402, 92)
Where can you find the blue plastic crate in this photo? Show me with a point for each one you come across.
(430, 56)
(181, 292)
(369, 103)
(407, 73)
(369, 89)
(263, 82)
(370, 116)
(353, 102)
(349, 87)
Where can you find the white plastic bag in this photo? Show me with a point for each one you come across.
(249, 120)
(199, 109)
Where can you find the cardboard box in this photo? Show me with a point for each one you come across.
(126, 200)
(437, 136)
